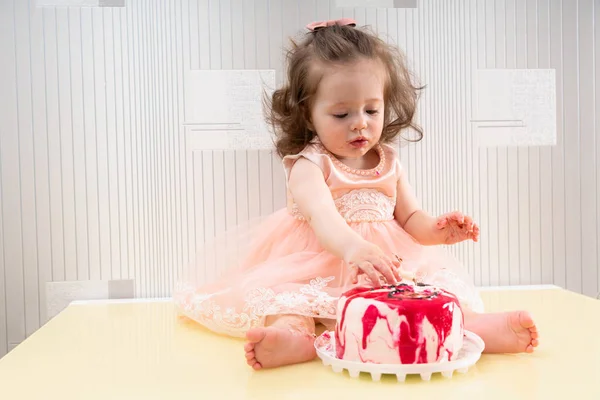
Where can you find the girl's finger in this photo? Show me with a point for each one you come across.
(442, 222)
(468, 223)
(371, 272)
(394, 264)
(475, 233)
(354, 274)
(396, 271)
(385, 266)
(458, 216)
(397, 262)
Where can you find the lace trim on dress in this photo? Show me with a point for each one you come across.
(310, 300)
(361, 205)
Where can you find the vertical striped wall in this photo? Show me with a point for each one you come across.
(96, 182)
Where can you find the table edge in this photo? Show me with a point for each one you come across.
(169, 299)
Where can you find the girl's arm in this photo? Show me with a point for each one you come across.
(411, 217)
(449, 228)
(313, 198)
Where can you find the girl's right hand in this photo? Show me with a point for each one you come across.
(369, 259)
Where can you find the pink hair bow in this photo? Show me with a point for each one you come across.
(315, 26)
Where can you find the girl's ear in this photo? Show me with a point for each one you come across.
(309, 123)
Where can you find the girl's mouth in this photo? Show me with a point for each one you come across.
(360, 142)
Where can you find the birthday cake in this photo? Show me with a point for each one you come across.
(406, 323)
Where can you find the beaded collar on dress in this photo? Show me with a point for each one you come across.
(376, 171)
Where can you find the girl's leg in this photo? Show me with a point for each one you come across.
(509, 332)
(285, 339)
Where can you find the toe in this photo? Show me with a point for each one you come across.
(534, 335)
(255, 335)
(248, 347)
(534, 343)
(529, 349)
(526, 321)
(257, 366)
(250, 355)
(251, 362)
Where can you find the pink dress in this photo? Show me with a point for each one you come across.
(277, 266)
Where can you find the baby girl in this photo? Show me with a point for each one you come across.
(350, 210)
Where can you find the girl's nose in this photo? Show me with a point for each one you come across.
(359, 123)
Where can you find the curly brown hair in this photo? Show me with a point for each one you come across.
(288, 109)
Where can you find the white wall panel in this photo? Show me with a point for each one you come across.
(97, 179)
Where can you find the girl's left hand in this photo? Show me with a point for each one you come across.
(457, 227)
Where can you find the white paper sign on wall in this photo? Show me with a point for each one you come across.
(377, 3)
(59, 295)
(514, 107)
(80, 3)
(224, 109)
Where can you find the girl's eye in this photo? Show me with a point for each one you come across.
(340, 115)
(372, 112)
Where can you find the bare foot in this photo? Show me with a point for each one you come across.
(510, 332)
(273, 347)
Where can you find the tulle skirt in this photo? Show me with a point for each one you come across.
(275, 265)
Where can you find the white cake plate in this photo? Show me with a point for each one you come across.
(467, 357)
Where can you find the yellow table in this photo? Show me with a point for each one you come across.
(140, 350)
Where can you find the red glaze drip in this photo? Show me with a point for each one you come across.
(340, 345)
(369, 320)
(415, 307)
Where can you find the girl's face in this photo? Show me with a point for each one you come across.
(347, 110)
